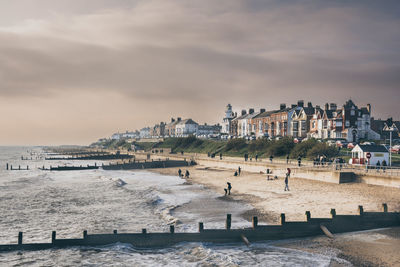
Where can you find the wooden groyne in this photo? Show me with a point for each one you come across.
(11, 168)
(70, 168)
(94, 157)
(287, 229)
(148, 164)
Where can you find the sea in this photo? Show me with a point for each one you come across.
(37, 202)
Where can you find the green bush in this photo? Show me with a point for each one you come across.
(235, 144)
(259, 145)
(301, 149)
(322, 149)
(281, 147)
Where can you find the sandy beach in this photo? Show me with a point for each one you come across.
(372, 248)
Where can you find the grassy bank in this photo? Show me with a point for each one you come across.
(237, 147)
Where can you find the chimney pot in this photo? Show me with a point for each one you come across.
(300, 103)
(251, 111)
(244, 112)
(282, 106)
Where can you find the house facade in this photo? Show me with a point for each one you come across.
(186, 127)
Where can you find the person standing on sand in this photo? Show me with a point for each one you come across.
(271, 158)
(229, 188)
(187, 174)
(288, 172)
(180, 173)
(226, 191)
(287, 182)
(239, 170)
(287, 159)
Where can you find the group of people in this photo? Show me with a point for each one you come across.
(228, 190)
(237, 173)
(187, 174)
(378, 165)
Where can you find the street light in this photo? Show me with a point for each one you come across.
(390, 129)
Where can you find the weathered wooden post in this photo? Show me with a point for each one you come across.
(384, 207)
(283, 219)
(360, 210)
(53, 237)
(144, 231)
(20, 234)
(308, 215)
(255, 222)
(7, 167)
(228, 221)
(84, 234)
(172, 229)
(115, 232)
(201, 227)
(333, 213)
(19, 167)
(11, 167)
(27, 167)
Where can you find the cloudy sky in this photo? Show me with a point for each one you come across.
(72, 71)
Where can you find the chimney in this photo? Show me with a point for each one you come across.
(244, 112)
(300, 103)
(251, 111)
(179, 118)
(326, 106)
(282, 106)
(172, 119)
(333, 106)
(309, 104)
(262, 110)
(317, 106)
(369, 108)
(293, 105)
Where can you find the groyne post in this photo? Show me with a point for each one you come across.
(172, 229)
(115, 232)
(84, 234)
(333, 213)
(308, 216)
(255, 222)
(283, 218)
(19, 167)
(53, 237)
(201, 227)
(384, 207)
(27, 167)
(360, 210)
(20, 234)
(11, 167)
(144, 231)
(228, 221)
(7, 167)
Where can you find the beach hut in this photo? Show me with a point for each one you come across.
(373, 153)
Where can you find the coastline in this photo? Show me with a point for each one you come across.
(367, 248)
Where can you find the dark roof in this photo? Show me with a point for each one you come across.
(373, 148)
(265, 114)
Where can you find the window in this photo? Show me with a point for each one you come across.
(352, 112)
(347, 123)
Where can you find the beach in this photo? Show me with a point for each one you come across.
(368, 248)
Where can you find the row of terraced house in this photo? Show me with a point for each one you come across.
(348, 122)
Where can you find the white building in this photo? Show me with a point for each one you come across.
(144, 132)
(186, 127)
(116, 136)
(208, 130)
(377, 153)
(226, 122)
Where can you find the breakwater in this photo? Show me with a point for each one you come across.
(287, 229)
(94, 157)
(70, 168)
(149, 164)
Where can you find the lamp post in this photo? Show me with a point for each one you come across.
(390, 127)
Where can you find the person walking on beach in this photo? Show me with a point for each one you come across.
(287, 182)
(239, 170)
(229, 188)
(378, 165)
(180, 173)
(226, 191)
(187, 174)
(384, 164)
(271, 158)
(299, 160)
(287, 159)
(288, 172)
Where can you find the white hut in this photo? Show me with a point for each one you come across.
(359, 154)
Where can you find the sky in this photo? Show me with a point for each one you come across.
(73, 71)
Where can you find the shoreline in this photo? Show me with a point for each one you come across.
(268, 199)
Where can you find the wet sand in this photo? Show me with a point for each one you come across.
(372, 248)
